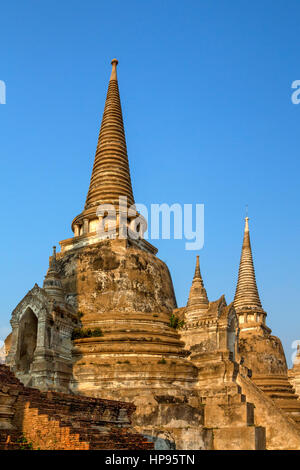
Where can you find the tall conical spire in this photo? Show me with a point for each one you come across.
(111, 176)
(246, 295)
(198, 296)
(110, 183)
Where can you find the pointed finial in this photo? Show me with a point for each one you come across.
(52, 283)
(246, 220)
(114, 64)
(197, 269)
(52, 263)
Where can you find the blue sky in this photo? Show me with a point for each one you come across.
(206, 96)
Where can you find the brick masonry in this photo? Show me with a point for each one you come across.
(58, 421)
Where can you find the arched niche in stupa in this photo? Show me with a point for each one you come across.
(27, 340)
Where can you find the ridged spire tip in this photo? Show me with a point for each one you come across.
(114, 64)
(197, 269)
(247, 224)
(52, 263)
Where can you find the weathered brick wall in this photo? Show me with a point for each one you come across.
(57, 421)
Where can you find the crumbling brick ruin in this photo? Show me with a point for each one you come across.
(58, 421)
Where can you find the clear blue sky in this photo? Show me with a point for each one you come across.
(206, 95)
